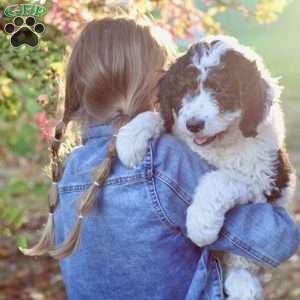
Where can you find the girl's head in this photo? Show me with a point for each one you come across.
(113, 70)
(113, 73)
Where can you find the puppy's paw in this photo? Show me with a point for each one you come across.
(202, 227)
(241, 284)
(131, 147)
(132, 139)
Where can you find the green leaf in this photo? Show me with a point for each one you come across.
(21, 241)
(32, 107)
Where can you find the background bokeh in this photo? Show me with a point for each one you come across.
(30, 89)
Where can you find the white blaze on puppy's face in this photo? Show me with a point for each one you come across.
(204, 108)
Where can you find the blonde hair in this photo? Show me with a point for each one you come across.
(113, 72)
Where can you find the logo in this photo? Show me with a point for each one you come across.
(24, 29)
(24, 34)
(17, 10)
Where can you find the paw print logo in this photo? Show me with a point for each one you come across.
(24, 33)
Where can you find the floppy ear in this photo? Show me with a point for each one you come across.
(253, 92)
(181, 77)
(165, 99)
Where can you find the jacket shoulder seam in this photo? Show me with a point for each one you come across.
(112, 181)
(174, 186)
(156, 203)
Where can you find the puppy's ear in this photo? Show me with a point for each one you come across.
(165, 93)
(181, 77)
(253, 91)
(201, 48)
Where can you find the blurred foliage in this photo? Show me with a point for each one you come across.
(30, 79)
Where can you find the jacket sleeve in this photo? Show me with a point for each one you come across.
(262, 232)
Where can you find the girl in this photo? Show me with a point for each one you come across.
(130, 222)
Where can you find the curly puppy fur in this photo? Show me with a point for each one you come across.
(226, 87)
(237, 81)
(221, 100)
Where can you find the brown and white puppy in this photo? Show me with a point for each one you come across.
(221, 100)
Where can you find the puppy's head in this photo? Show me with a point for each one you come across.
(218, 86)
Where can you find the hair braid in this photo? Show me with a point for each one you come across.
(47, 240)
(87, 201)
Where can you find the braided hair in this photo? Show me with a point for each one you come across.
(47, 239)
(87, 201)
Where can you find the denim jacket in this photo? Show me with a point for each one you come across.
(134, 244)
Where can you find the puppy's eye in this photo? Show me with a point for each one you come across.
(194, 92)
(190, 77)
(214, 85)
(191, 71)
(188, 98)
(218, 89)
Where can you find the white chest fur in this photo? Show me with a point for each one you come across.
(253, 160)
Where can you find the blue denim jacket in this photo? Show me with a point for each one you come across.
(134, 244)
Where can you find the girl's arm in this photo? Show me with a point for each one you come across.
(261, 232)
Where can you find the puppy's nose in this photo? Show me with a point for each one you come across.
(195, 125)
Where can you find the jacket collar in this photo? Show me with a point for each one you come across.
(96, 130)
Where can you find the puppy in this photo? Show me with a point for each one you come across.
(221, 100)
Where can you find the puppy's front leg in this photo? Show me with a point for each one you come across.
(132, 139)
(217, 192)
(241, 280)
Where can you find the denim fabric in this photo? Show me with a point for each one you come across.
(134, 245)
